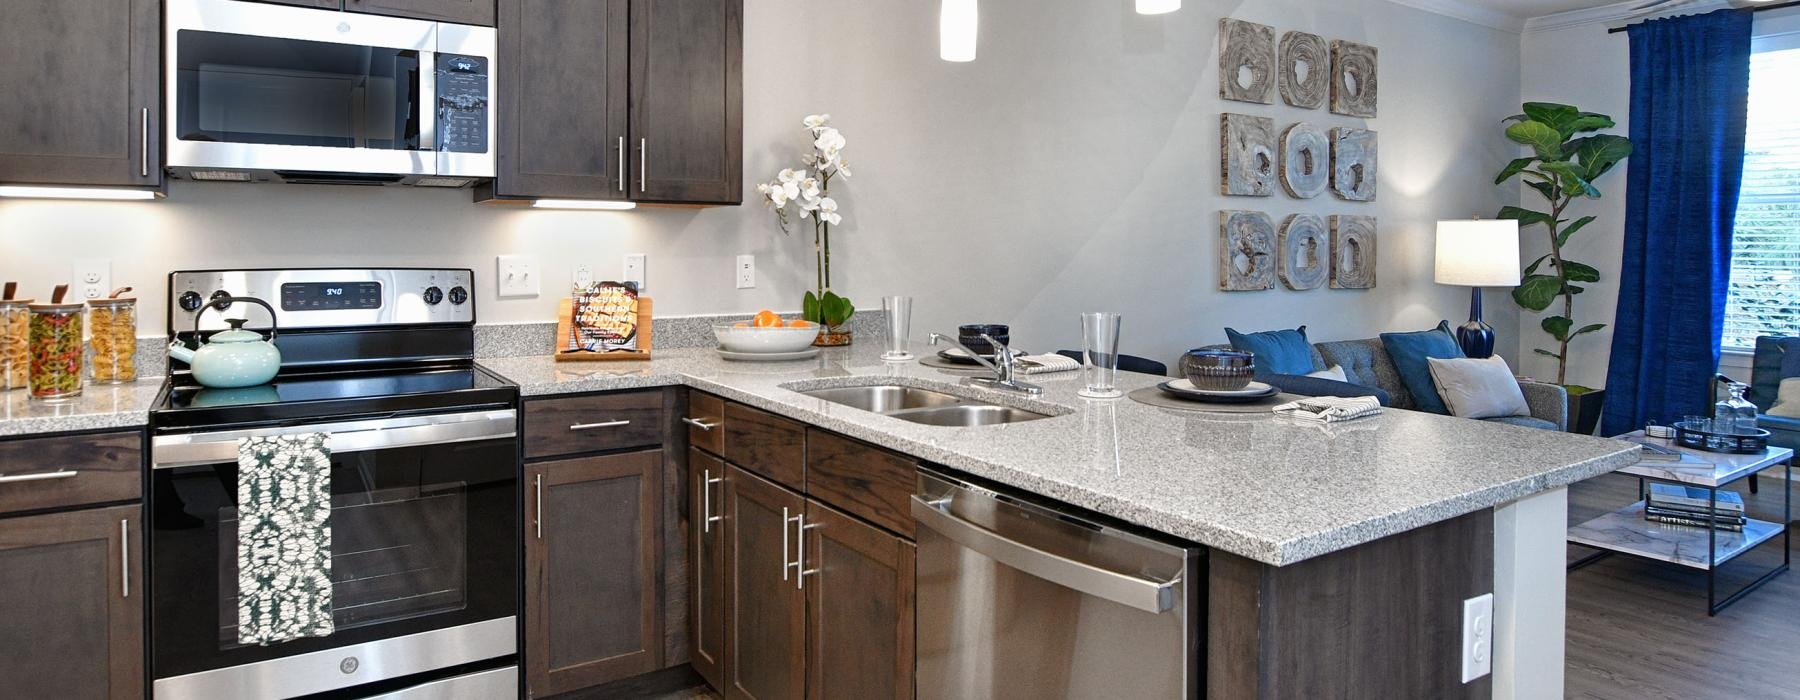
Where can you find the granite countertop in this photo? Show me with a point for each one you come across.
(1270, 488)
(98, 407)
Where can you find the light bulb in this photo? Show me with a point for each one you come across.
(957, 24)
(1157, 7)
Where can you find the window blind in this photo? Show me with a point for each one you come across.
(1765, 248)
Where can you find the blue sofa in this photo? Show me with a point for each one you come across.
(1772, 353)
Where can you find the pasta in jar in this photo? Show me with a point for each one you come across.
(112, 324)
(15, 343)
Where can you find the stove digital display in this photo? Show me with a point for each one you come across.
(330, 296)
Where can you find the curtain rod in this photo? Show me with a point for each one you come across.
(1753, 8)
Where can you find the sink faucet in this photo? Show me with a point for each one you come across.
(1004, 378)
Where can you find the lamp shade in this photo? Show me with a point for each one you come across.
(958, 24)
(1478, 253)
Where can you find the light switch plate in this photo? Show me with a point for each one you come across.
(90, 278)
(746, 271)
(1478, 637)
(517, 276)
(635, 270)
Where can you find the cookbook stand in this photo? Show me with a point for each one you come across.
(565, 311)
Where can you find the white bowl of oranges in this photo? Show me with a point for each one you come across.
(766, 333)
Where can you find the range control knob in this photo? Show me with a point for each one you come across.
(458, 295)
(221, 294)
(433, 295)
(189, 301)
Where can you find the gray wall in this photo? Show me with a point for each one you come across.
(1073, 167)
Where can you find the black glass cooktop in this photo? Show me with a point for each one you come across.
(330, 396)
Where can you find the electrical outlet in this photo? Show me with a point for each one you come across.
(746, 271)
(1478, 637)
(582, 274)
(517, 276)
(91, 278)
(634, 271)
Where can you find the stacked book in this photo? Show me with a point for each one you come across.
(1689, 505)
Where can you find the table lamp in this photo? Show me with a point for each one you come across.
(1477, 253)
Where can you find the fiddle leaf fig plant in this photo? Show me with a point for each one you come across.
(1567, 156)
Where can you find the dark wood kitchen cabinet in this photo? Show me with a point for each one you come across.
(706, 562)
(765, 608)
(687, 101)
(592, 562)
(82, 91)
(620, 100)
(859, 608)
(71, 592)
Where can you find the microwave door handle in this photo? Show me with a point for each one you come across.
(427, 98)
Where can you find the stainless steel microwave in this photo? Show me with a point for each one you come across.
(259, 92)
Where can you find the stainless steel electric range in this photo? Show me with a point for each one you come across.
(424, 490)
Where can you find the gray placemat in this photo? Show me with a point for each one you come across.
(935, 362)
(1156, 397)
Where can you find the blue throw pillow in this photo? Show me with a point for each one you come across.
(1320, 386)
(1790, 357)
(1409, 352)
(1278, 352)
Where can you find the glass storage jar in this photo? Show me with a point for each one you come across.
(15, 343)
(112, 333)
(56, 350)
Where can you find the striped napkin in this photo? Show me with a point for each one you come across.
(1040, 364)
(1330, 409)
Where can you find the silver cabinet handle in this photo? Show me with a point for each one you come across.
(125, 556)
(39, 476)
(703, 425)
(1143, 594)
(800, 560)
(706, 484)
(643, 160)
(144, 142)
(602, 424)
(785, 564)
(621, 164)
(537, 514)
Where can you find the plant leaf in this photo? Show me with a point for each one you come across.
(1571, 175)
(1512, 169)
(1572, 289)
(1580, 272)
(1586, 121)
(1532, 268)
(1557, 326)
(1548, 189)
(1536, 292)
(1599, 153)
(1546, 353)
(1525, 216)
(1588, 329)
(1541, 137)
(809, 309)
(1551, 113)
(1562, 237)
(836, 309)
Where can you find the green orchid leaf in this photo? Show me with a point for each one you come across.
(1562, 236)
(1546, 353)
(1557, 326)
(836, 309)
(1535, 292)
(1580, 272)
(1525, 216)
(1589, 329)
(809, 309)
(1532, 268)
(1541, 137)
(1512, 169)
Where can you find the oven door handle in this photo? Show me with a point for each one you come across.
(170, 451)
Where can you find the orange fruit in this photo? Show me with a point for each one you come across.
(799, 323)
(766, 319)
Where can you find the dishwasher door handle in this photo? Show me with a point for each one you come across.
(1143, 594)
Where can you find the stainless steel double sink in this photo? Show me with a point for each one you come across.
(924, 406)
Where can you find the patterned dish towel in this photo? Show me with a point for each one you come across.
(1330, 409)
(284, 538)
(1041, 364)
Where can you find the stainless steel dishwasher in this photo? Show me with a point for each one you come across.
(1017, 600)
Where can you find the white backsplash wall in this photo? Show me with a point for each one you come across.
(1073, 166)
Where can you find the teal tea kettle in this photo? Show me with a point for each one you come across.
(231, 358)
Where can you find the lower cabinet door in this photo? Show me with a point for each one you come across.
(765, 608)
(859, 598)
(706, 559)
(592, 545)
(71, 595)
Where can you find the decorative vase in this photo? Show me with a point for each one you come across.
(832, 336)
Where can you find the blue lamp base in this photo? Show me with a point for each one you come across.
(1476, 337)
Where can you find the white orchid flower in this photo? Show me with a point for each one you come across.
(816, 121)
(843, 168)
(790, 175)
(791, 190)
(829, 142)
(809, 188)
(828, 211)
(778, 197)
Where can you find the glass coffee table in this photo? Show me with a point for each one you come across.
(1625, 531)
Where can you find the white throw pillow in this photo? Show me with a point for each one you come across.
(1787, 399)
(1334, 372)
(1478, 388)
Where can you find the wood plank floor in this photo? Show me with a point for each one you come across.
(1638, 629)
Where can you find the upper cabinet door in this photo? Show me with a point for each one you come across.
(562, 114)
(687, 101)
(479, 12)
(81, 101)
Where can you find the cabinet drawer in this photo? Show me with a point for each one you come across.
(57, 472)
(863, 480)
(592, 423)
(767, 444)
(705, 422)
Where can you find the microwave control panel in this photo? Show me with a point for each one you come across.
(462, 103)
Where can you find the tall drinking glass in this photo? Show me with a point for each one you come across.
(899, 326)
(1100, 354)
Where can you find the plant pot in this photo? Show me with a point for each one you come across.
(1584, 410)
(832, 336)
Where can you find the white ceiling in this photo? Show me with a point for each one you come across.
(1526, 9)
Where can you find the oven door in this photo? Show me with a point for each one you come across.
(424, 560)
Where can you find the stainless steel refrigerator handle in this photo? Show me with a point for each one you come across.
(39, 476)
(170, 451)
(1143, 594)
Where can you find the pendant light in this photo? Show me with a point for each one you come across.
(1157, 7)
(957, 22)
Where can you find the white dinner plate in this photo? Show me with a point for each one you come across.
(806, 354)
